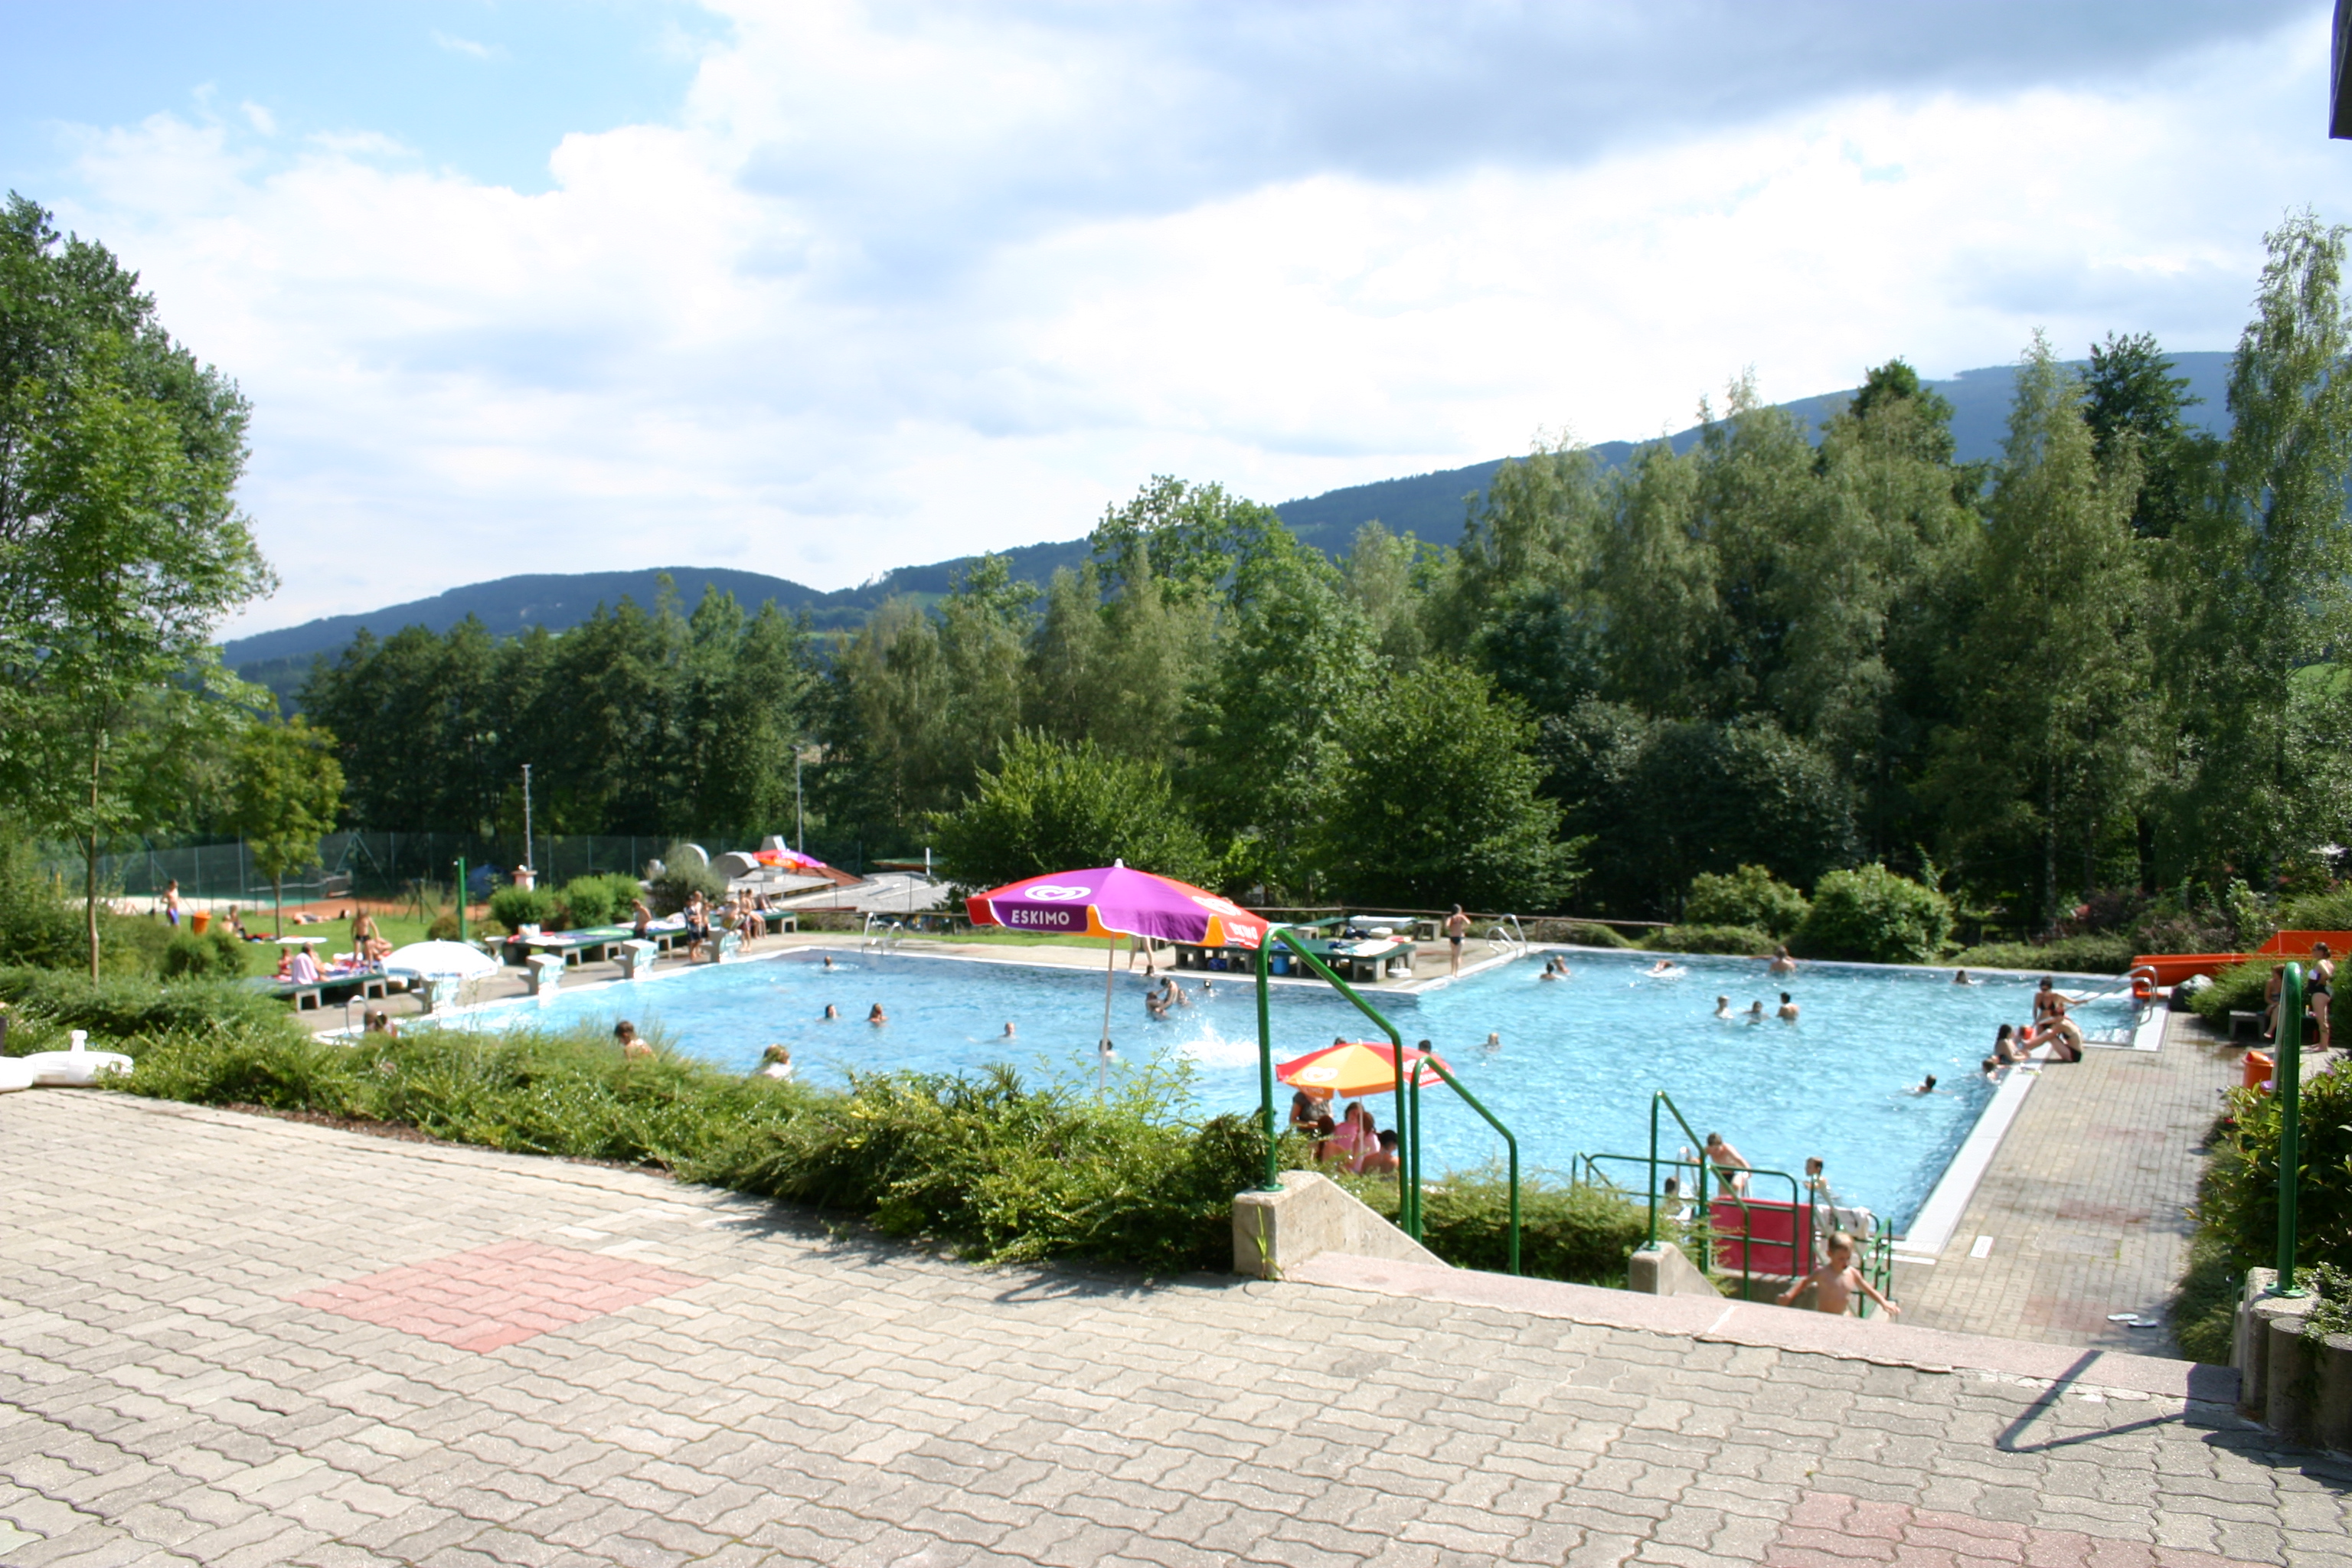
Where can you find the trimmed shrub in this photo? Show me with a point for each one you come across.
(2109, 954)
(515, 908)
(216, 954)
(443, 927)
(1581, 1234)
(2237, 1203)
(1585, 933)
(599, 900)
(2330, 910)
(1749, 897)
(1740, 942)
(1872, 915)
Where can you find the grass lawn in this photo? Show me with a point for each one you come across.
(261, 957)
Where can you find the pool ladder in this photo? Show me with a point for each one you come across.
(1507, 938)
(882, 934)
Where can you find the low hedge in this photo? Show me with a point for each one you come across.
(1738, 941)
(999, 1169)
(2071, 954)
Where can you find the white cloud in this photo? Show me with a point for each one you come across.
(450, 43)
(259, 118)
(883, 296)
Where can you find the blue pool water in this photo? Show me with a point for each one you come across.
(1574, 1071)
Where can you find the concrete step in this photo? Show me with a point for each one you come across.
(1880, 1340)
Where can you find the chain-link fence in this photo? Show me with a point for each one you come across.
(374, 866)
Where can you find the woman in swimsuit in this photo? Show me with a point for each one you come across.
(2319, 988)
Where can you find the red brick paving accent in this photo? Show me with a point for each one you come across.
(495, 1296)
(1825, 1531)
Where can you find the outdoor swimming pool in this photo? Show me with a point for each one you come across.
(1574, 1072)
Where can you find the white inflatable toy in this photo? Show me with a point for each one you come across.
(15, 1074)
(77, 1068)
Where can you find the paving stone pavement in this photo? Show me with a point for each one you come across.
(2086, 1202)
(758, 1390)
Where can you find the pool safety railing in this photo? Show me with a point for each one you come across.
(882, 933)
(1506, 937)
(1730, 1226)
(1407, 1092)
(2286, 1078)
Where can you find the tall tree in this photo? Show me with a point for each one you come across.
(2263, 584)
(121, 546)
(289, 788)
(2052, 678)
(2132, 394)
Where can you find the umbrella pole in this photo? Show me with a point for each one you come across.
(1102, 1051)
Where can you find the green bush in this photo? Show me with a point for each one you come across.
(2237, 1205)
(515, 908)
(132, 1009)
(1749, 897)
(216, 954)
(683, 873)
(2106, 955)
(1581, 1234)
(1588, 934)
(1872, 915)
(2246, 988)
(988, 1165)
(1737, 940)
(38, 920)
(599, 900)
(2330, 910)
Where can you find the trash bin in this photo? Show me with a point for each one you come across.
(199, 920)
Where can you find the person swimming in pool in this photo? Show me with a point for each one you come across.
(1723, 1006)
(1928, 1086)
(1664, 969)
(1788, 1014)
(1756, 1011)
(1008, 1028)
(832, 1013)
(877, 1017)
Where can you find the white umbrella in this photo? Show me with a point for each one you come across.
(441, 960)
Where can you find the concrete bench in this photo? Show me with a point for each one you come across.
(546, 973)
(636, 957)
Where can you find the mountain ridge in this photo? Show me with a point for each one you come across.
(1433, 506)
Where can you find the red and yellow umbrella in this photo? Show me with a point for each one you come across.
(1358, 1067)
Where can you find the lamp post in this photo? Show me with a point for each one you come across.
(800, 820)
(526, 817)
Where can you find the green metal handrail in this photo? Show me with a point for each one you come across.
(2287, 1073)
(1408, 1127)
(1707, 1235)
(1408, 1093)
(1509, 1143)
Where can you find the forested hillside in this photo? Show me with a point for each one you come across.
(2099, 661)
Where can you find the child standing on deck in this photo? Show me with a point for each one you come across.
(1835, 1281)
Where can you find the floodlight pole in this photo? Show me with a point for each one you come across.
(799, 819)
(461, 898)
(526, 813)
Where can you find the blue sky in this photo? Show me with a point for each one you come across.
(822, 288)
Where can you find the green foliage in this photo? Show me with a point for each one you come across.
(2237, 1203)
(2327, 910)
(216, 954)
(1592, 934)
(599, 900)
(36, 921)
(1665, 802)
(1051, 805)
(515, 908)
(684, 874)
(1582, 1234)
(132, 1008)
(120, 456)
(443, 927)
(2204, 1307)
(1432, 800)
(1747, 941)
(287, 789)
(1873, 915)
(2106, 955)
(1749, 896)
(1000, 1169)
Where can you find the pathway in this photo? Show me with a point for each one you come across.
(232, 1340)
(2083, 1211)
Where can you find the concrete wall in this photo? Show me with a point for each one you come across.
(2298, 1386)
(1274, 1232)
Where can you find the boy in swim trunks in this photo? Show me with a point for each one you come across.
(1457, 926)
(1835, 1282)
